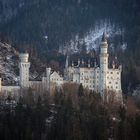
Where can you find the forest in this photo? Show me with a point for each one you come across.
(62, 20)
(72, 114)
(25, 24)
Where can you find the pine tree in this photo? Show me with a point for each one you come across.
(81, 90)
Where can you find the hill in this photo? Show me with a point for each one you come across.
(62, 26)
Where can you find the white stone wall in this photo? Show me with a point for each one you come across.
(56, 78)
(97, 79)
(48, 73)
(12, 90)
(37, 85)
(70, 73)
(114, 80)
(44, 84)
(94, 78)
(87, 78)
(76, 75)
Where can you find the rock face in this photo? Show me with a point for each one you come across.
(8, 64)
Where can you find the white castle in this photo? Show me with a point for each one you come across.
(97, 78)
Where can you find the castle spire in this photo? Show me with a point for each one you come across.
(67, 62)
(104, 38)
(78, 62)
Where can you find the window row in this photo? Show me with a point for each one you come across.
(112, 87)
(115, 83)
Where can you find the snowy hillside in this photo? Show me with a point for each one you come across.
(92, 38)
(8, 64)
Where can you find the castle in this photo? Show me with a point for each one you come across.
(97, 78)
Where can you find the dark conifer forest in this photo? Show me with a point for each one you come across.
(28, 22)
(71, 114)
(25, 24)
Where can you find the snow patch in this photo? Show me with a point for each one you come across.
(93, 37)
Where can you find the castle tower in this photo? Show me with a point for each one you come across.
(66, 68)
(103, 63)
(24, 66)
(48, 73)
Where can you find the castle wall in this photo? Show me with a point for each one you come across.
(87, 77)
(36, 85)
(12, 90)
(113, 81)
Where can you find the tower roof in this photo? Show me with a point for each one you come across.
(104, 38)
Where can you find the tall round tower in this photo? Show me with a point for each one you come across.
(104, 54)
(24, 66)
(103, 63)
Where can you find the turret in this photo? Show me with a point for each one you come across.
(103, 63)
(24, 57)
(48, 74)
(78, 62)
(24, 66)
(67, 62)
(104, 54)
